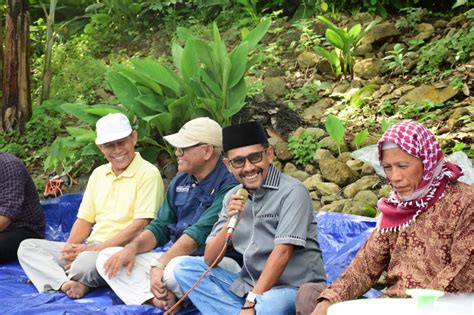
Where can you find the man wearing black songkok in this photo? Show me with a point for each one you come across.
(276, 235)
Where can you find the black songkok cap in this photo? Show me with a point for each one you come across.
(238, 136)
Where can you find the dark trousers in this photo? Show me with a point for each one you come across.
(10, 239)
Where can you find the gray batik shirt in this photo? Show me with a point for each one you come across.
(279, 212)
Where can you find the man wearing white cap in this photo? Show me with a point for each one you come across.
(121, 198)
(190, 209)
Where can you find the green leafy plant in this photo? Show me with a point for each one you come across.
(433, 56)
(360, 137)
(344, 42)
(423, 111)
(210, 82)
(396, 59)
(363, 95)
(335, 128)
(387, 123)
(303, 148)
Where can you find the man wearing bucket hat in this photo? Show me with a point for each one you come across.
(276, 236)
(121, 198)
(191, 207)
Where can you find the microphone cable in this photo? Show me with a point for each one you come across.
(214, 263)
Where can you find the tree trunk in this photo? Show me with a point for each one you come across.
(16, 75)
(49, 50)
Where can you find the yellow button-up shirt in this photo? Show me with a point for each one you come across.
(112, 202)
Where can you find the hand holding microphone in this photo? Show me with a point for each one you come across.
(234, 219)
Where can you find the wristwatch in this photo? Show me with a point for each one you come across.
(158, 265)
(251, 297)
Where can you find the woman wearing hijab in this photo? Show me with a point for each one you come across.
(425, 235)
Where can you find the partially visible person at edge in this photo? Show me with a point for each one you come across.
(121, 198)
(21, 215)
(276, 236)
(425, 236)
(191, 207)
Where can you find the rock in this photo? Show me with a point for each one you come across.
(325, 200)
(368, 68)
(327, 189)
(298, 132)
(363, 50)
(274, 72)
(300, 175)
(428, 92)
(335, 206)
(310, 182)
(289, 169)
(384, 191)
(425, 31)
(358, 208)
(340, 89)
(364, 183)
(330, 144)
(281, 151)
(440, 24)
(336, 172)
(457, 20)
(316, 205)
(366, 197)
(317, 110)
(313, 113)
(307, 59)
(322, 154)
(344, 157)
(367, 170)
(324, 67)
(278, 165)
(316, 133)
(314, 195)
(383, 90)
(310, 169)
(275, 87)
(379, 32)
(454, 119)
(325, 103)
(355, 165)
(100, 93)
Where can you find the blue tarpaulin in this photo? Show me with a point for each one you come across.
(340, 237)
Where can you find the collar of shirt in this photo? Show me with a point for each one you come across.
(131, 169)
(273, 178)
(208, 184)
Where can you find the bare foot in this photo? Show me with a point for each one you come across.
(165, 304)
(74, 289)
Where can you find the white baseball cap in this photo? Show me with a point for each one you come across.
(198, 130)
(112, 127)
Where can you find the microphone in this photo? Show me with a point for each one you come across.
(235, 218)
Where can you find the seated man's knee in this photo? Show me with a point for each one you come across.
(276, 302)
(186, 265)
(26, 246)
(104, 255)
(84, 263)
(307, 296)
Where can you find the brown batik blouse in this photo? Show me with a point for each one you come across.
(436, 251)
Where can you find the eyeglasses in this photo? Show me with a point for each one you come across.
(181, 151)
(254, 158)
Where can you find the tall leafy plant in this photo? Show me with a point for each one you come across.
(344, 42)
(216, 77)
(209, 82)
(336, 130)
